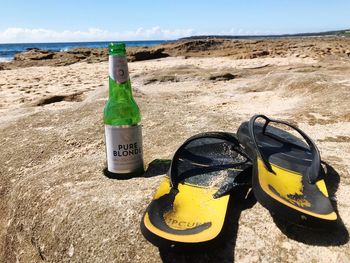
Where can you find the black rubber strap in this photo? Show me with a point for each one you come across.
(174, 177)
(312, 172)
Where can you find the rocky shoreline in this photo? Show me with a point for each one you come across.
(314, 47)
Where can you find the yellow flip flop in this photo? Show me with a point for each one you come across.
(288, 178)
(189, 207)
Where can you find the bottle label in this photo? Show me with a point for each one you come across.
(118, 69)
(124, 148)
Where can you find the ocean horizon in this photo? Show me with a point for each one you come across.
(8, 51)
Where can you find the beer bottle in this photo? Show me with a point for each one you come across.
(122, 119)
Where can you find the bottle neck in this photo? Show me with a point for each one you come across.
(119, 81)
(120, 91)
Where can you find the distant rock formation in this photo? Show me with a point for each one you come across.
(38, 57)
(303, 47)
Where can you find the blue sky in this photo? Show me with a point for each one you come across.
(52, 21)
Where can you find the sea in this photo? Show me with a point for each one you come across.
(8, 51)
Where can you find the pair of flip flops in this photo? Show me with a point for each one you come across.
(190, 206)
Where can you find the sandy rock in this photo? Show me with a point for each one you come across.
(56, 205)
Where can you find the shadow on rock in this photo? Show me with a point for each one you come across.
(155, 168)
(335, 236)
(240, 200)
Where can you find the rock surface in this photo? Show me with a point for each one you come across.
(56, 205)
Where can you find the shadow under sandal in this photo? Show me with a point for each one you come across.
(287, 173)
(190, 205)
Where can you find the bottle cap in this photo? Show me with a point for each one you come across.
(114, 48)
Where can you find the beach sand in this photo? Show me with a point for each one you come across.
(56, 204)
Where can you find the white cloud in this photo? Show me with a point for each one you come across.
(27, 35)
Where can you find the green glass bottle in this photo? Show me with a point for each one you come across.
(122, 119)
